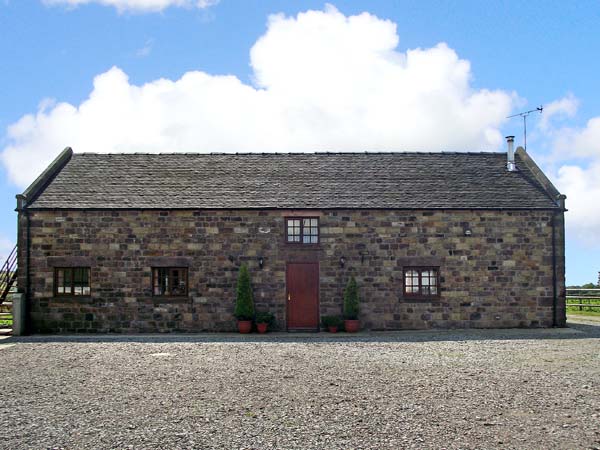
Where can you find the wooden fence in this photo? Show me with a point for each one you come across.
(583, 298)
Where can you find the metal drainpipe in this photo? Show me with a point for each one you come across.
(28, 259)
(554, 291)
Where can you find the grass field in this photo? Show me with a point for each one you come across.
(6, 322)
(3, 281)
(584, 310)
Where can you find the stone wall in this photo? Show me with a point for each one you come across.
(499, 276)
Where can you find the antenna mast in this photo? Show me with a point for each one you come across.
(524, 116)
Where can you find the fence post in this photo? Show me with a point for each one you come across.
(18, 313)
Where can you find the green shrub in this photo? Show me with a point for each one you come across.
(331, 321)
(265, 317)
(244, 303)
(351, 306)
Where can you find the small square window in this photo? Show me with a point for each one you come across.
(421, 282)
(72, 281)
(169, 281)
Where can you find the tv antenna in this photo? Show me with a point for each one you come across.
(524, 116)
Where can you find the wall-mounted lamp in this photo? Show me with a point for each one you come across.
(468, 232)
(261, 262)
(363, 255)
(342, 262)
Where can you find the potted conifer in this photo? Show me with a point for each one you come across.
(351, 307)
(264, 321)
(244, 304)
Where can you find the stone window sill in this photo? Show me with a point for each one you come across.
(73, 299)
(305, 247)
(171, 299)
(421, 299)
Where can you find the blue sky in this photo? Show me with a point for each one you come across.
(497, 60)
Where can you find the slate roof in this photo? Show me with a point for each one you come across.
(296, 180)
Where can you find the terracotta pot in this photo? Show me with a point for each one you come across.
(262, 327)
(351, 326)
(332, 329)
(245, 326)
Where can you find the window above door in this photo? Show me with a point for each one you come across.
(302, 230)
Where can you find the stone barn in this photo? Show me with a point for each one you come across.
(153, 242)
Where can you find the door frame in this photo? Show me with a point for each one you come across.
(287, 309)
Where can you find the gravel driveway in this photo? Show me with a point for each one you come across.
(444, 389)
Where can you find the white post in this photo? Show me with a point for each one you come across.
(18, 313)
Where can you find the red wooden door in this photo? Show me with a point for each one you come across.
(302, 296)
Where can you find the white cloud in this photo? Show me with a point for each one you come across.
(323, 81)
(146, 49)
(578, 150)
(578, 142)
(558, 109)
(573, 161)
(137, 5)
(582, 188)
